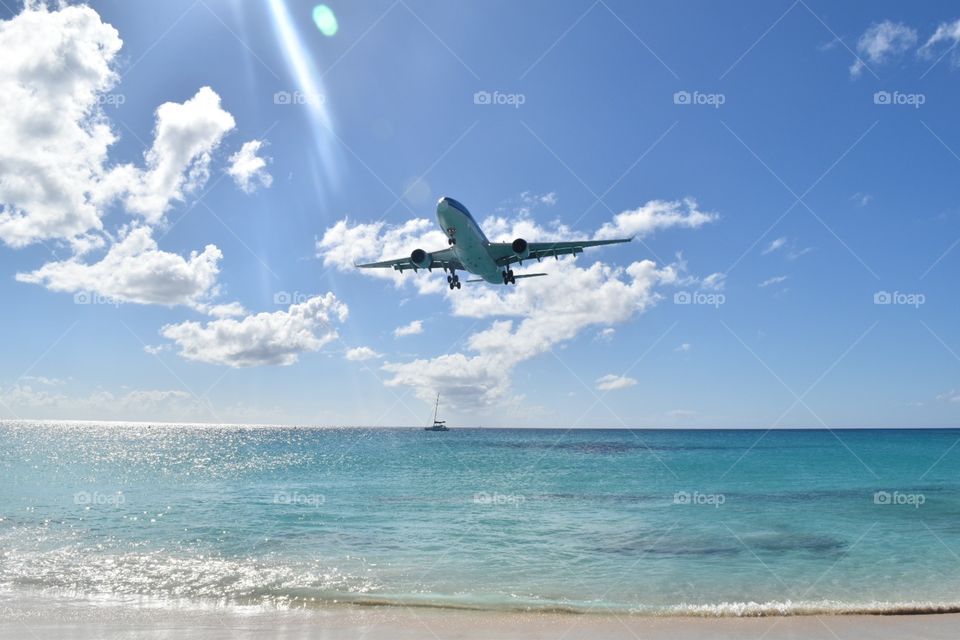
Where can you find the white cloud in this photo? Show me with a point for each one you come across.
(714, 282)
(527, 320)
(606, 334)
(56, 180)
(135, 270)
(359, 354)
(861, 199)
(265, 338)
(178, 162)
(655, 215)
(774, 245)
(344, 245)
(950, 396)
(882, 41)
(684, 348)
(946, 32)
(248, 169)
(25, 401)
(530, 199)
(44, 380)
(411, 329)
(53, 134)
(611, 382)
(156, 349)
(773, 280)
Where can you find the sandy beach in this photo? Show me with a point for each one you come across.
(40, 618)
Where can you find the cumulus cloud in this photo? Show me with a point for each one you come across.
(525, 321)
(136, 270)
(684, 347)
(882, 41)
(344, 245)
(249, 170)
(411, 329)
(528, 322)
(656, 215)
(178, 162)
(53, 135)
(360, 354)
(276, 338)
(56, 180)
(612, 382)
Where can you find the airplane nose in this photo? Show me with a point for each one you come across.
(446, 202)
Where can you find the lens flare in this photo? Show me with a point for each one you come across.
(325, 20)
(315, 103)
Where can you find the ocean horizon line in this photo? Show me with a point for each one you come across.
(265, 425)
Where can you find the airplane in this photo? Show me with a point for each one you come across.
(470, 250)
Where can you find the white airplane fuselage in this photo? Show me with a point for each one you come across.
(470, 245)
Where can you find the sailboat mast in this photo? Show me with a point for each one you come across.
(436, 409)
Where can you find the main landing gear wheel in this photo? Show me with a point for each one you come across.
(508, 277)
(453, 281)
(451, 241)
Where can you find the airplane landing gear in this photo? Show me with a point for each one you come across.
(453, 281)
(508, 277)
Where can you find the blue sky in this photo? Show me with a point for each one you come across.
(783, 164)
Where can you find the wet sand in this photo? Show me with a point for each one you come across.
(39, 618)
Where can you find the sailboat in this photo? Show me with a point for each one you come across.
(438, 425)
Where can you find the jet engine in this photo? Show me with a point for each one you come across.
(421, 259)
(520, 248)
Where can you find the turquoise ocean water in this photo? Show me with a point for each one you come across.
(642, 522)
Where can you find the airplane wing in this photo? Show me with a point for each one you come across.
(504, 255)
(439, 260)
